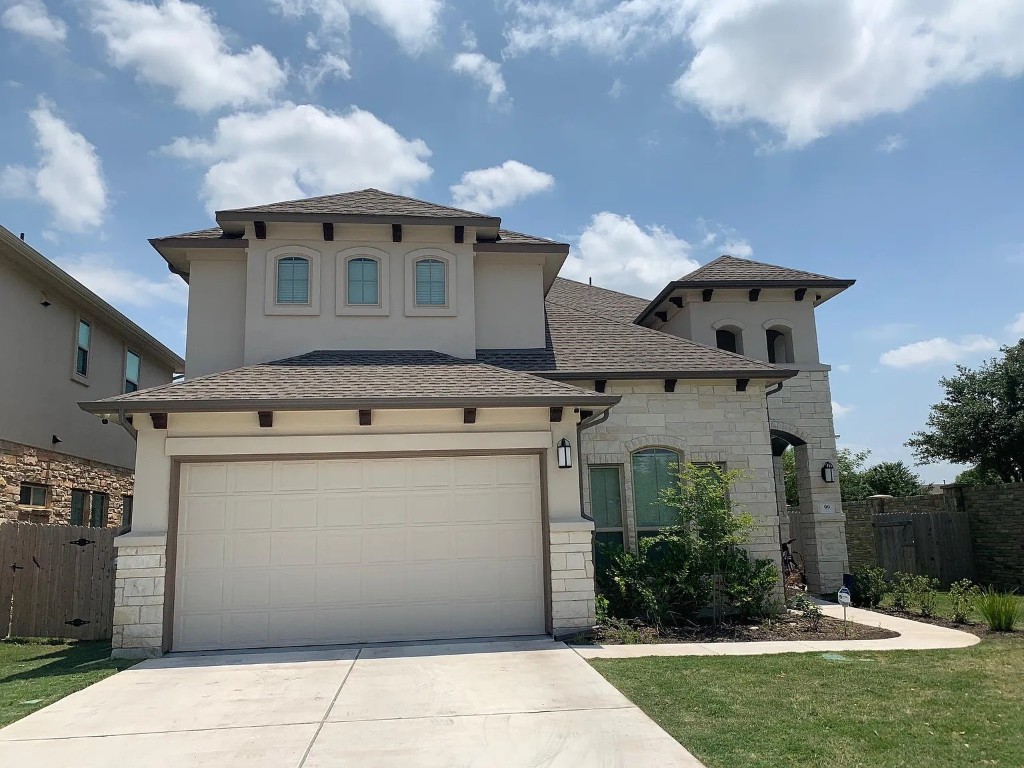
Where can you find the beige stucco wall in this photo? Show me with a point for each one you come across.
(509, 301)
(706, 422)
(39, 395)
(275, 336)
(216, 312)
(697, 320)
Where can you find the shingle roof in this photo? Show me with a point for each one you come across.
(598, 301)
(587, 346)
(508, 236)
(363, 202)
(213, 233)
(356, 379)
(729, 269)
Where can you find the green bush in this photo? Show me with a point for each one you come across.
(962, 595)
(1000, 609)
(809, 611)
(904, 589)
(869, 586)
(926, 593)
(672, 577)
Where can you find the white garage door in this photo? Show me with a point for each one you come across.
(338, 551)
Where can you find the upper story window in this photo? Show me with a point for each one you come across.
(780, 345)
(727, 339)
(132, 371)
(363, 281)
(431, 283)
(84, 341)
(292, 280)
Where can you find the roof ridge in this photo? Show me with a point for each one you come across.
(602, 288)
(727, 258)
(374, 190)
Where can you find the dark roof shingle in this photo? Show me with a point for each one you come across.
(730, 269)
(356, 379)
(598, 301)
(363, 202)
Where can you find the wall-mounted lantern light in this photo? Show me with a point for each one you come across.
(828, 472)
(564, 454)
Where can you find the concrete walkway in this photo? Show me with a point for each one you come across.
(515, 704)
(914, 635)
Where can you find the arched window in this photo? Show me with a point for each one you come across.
(727, 339)
(292, 280)
(780, 345)
(654, 471)
(363, 281)
(431, 283)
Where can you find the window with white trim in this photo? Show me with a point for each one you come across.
(780, 345)
(292, 280)
(431, 283)
(84, 343)
(363, 281)
(132, 371)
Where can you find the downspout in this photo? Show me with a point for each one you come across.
(767, 407)
(593, 421)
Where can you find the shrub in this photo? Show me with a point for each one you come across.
(1000, 609)
(750, 587)
(961, 596)
(624, 632)
(809, 611)
(926, 592)
(904, 588)
(869, 586)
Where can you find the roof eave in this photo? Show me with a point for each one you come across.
(242, 217)
(341, 404)
(780, 374)
(560, 249)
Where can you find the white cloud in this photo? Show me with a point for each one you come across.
(844, 368)
(179, 45)
(803, 67)
(1017, 326)
(297, 150)
(486, 72)
(617, 89)
(892, 143)
(487, 189)
(838, 411)
(741, 249)
(122, 287)
(938, 350)
(68, 178)
(329, 65)
(32, 19)
(619, 254)
(413, 23)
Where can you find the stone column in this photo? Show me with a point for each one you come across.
(141, 567)
(571, 546)
(822, 542)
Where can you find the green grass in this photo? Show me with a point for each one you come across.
(960, 707)
(35, 673)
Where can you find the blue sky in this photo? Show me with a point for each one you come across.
(874, 140)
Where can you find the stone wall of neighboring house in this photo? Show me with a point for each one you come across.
(705, 423)
(61, 474)
(995, 515)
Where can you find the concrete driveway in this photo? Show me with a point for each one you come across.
(499, 704)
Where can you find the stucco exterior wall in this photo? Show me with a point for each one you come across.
(697, 320)
(40, 396)
(216, 313)
(509, 302)
(274, 336)
(706, 423)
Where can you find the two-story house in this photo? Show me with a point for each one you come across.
(399, 423)
(61, 343)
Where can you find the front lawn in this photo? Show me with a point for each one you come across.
(961, 707)
(36, 673)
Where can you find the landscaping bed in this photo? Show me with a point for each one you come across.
(785, 628)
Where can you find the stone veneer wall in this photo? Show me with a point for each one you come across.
(572, 577)
(706, 423)
(995, 514)
(139, 601)
(60, 473)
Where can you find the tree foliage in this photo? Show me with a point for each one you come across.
(981, 419)
(978, 476)
(852, 485)
(892, 478)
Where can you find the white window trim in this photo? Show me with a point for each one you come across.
(414, 310)
(786, 328)
(383, 259)
(124, 369)
(270, 305)
(75, 375)
(728, 324)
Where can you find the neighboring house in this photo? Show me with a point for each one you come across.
(62, 344)
(398, 423)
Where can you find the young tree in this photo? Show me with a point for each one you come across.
(893, 478)
(981, 419)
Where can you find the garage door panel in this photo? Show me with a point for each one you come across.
(341, 551)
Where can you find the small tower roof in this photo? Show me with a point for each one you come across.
(730, 271)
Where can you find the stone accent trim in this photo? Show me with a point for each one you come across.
(139, 601)
(572, 577)
(61, 473)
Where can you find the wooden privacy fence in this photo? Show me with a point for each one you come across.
(934, 543)
(56, 581)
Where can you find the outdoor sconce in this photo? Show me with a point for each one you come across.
(828, 472)
(564, 454)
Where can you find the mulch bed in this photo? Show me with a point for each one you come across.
(974, 627)
(788, 628)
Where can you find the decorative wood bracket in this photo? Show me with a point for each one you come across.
(741, 385)
(556, 415)
(599, 385)
(662, 316)
(266, 418)
(677, 300)
(460, 234)
(261, 229)
(396, 233)
(328, 231)
(707, 293)
(670, 385)
(365, 418)
(799, 294)
(159, 420)
(755, 294)
(469, 415)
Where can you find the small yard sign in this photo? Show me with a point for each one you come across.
(844, 600)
